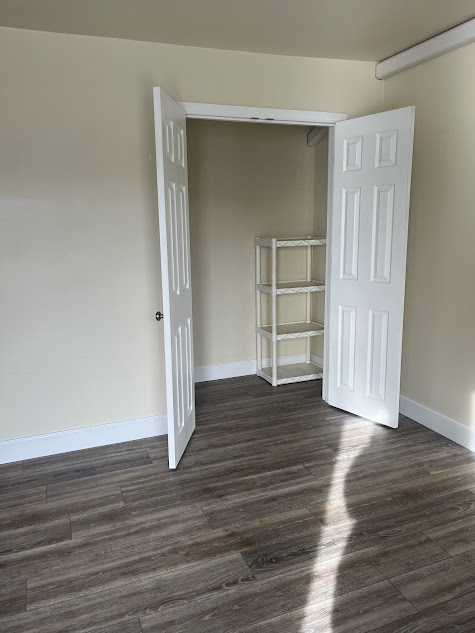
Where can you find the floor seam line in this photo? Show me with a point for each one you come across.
(401, 594)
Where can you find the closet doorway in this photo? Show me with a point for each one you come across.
(369, 167)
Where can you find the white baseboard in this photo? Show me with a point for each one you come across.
(242, 368)
(104, 434)
(227, 370)
(438, 422)
(89, 437)
(316, 359)
(78, 439)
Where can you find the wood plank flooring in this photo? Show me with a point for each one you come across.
(284, 516)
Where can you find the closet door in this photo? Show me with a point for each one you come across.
(172, 182)
(370, 176)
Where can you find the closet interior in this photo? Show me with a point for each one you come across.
(254, 191)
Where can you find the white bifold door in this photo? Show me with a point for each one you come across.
(172, 182)
(370, 175)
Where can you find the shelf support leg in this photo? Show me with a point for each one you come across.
(309, 300)
(258, 307)
(274, 313)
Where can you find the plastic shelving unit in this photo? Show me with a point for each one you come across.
(295, 372)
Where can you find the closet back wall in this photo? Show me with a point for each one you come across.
(245, 180)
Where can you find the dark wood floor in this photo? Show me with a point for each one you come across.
(285, 516)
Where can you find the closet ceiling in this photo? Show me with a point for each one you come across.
(343, 29)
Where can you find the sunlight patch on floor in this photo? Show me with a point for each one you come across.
(336, 531)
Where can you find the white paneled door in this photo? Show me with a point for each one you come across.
(367, 239)
(172, 182)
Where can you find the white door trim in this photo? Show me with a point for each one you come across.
(328, 264)
(251, 114)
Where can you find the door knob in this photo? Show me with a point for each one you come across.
(159, 316)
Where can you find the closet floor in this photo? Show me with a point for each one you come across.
(284, 516)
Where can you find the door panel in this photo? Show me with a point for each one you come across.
(172, 182)
(369, 206)
(350, 232)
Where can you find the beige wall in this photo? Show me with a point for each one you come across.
(79, 257)
(438, 366)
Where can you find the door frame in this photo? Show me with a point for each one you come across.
(328, 260)
(251, 114)
(280, 116)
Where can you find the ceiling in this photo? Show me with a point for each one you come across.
(343, 29)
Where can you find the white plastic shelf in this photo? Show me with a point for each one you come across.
(293, 287)
(291, 241)
(300, 329)
(296, 372)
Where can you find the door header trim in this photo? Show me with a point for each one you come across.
(250, 114)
